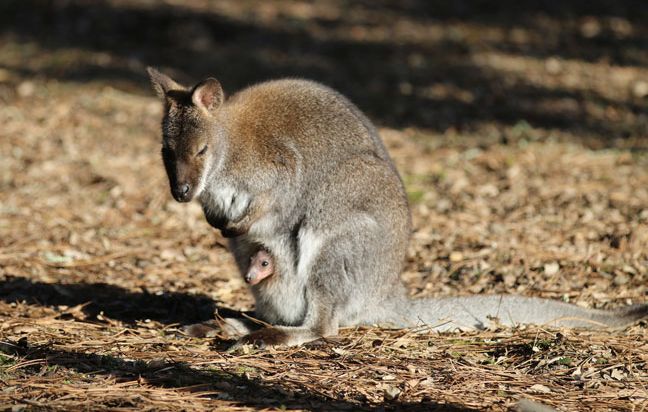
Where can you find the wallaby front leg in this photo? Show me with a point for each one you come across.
(215, 218)
(241, 224)
(239, 227)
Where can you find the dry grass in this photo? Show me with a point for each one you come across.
(99, 268)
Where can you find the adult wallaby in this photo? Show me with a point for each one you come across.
(292, 167)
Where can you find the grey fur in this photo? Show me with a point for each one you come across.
(300, 171)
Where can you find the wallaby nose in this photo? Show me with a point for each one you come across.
(181, 192)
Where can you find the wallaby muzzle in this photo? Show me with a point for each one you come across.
(182, 192)
(182, 179)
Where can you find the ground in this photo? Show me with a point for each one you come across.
(521, 134)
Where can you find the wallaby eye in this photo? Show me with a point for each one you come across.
(265, 263)
(202, 151)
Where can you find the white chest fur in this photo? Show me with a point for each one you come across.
(225, 200)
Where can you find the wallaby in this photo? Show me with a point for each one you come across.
(261, 267)
(294, 167)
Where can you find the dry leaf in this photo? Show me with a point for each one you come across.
(539, 388)
(551, 269)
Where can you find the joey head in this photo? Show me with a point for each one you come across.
(261, 267)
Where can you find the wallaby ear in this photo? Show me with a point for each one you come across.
(162, 83)
(208, 94)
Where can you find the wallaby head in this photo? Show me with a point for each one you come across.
(190, 138)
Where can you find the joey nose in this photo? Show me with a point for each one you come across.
(184, 189)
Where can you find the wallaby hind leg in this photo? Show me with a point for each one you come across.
(319, 322)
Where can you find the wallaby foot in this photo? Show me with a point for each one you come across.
(230, 328)
(280, 336)
(207, 329)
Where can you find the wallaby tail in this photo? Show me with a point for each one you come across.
(478, 312)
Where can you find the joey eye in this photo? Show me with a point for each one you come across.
(202, 151)
(265, 263)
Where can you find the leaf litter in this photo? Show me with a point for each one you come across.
(100, 269)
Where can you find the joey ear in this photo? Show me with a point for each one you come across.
(162, 83)
(208, 94)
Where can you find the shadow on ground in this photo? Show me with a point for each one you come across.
(237, 388)
(429, 81)
(114, 302)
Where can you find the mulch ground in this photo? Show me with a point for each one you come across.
(523, 148)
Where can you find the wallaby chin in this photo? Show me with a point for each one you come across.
(299, 171)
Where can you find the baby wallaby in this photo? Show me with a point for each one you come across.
(293, 166)
(261, 267)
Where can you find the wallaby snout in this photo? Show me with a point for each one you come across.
(184, 178)
(181, 192)
(183, 188)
